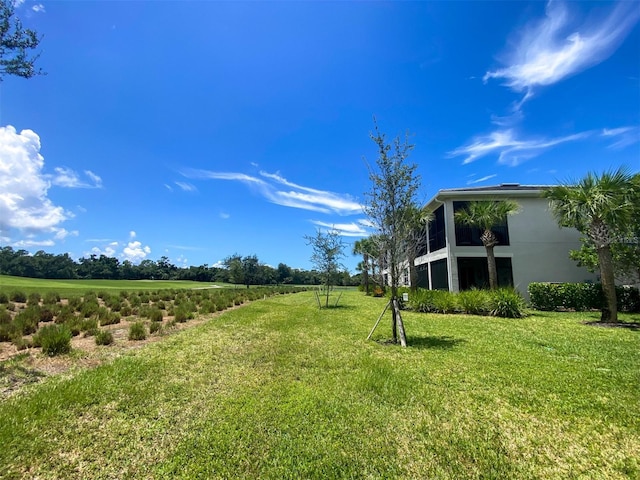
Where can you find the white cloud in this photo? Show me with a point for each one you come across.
(186, 187)
(135, 252)
(224, 215)
(66, 177)
(345, 229)
(623, 136)
(480, 180)
(38, 8)
(298, 196)
(24, 204)
(33, 243)
(553, 49)
(511, 150)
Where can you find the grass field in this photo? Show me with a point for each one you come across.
(70, 287)
(280, 389)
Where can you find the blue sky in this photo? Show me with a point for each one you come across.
(195, 130)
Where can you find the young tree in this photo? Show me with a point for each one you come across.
(602, 207)
(394, 185)
(328, 251)
(485, 215)
(15, 44)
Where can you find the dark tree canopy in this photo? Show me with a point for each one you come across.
(16, 45)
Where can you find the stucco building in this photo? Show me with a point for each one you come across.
(532, 247)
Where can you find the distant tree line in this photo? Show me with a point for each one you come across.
(247, 270)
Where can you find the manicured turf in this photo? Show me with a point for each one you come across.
(280, 389)
(68, 287)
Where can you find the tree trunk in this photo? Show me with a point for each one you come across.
(394, 314)
(365, 273)
(610, 310)
(400, 323)
(491, 265)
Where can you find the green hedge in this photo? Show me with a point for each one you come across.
(580, 297)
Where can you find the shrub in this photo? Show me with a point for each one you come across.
(474, 301)
(444, 301)
(88, 308)
(50, 298)
(580, 297)
(20, 343)
(18, 297)
(54, 339)
(155, 327)
(506, 302)
(34, 298)
(125, 310)
(4, 298)
(5, 316)
(137, 331)
(110, 319)
(181, 316)
(104, 337)
(46, 314)
(66, 313)
(155, 315)
(26, 322)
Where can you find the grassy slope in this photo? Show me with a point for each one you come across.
(69, 287)
(279, 389)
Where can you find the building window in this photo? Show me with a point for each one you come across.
(474, 273)
(423, 275)
(437, 237)
(439, 275)
(470, 236)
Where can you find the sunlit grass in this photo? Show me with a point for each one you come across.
(71, 287)
(282, 389)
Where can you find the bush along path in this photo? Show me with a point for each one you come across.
(47, 334)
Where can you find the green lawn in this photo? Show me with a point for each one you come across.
(70, 287)
(279, 389)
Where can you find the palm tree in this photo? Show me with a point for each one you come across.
(418, 220)
(602, 208)
(485, 215)
(360, 248)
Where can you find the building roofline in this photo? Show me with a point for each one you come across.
(503, 190)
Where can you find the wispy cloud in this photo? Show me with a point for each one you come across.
(552, 49)
(68, 178)
(480, 180)
(186, 187)
(345, 229)
(297, 196)
(622, 137)
(510, 149)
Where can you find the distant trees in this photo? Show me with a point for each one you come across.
(247, 270)
(605, 209)
(486, 215)
(16, 44)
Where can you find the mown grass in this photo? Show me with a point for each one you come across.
(71, 287)
(282, 389)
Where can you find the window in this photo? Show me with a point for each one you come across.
(439, 275)
(470, 236)
(437, 237)
(423, 275)
(474, 273)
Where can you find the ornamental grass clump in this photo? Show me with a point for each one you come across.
(508, 303)
(137, 331)
(54, 339)
(104, 337)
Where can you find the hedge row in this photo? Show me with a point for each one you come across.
(580, 297)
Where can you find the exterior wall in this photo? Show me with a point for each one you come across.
(538, 248)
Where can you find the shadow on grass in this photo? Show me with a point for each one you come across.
(442, 342)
